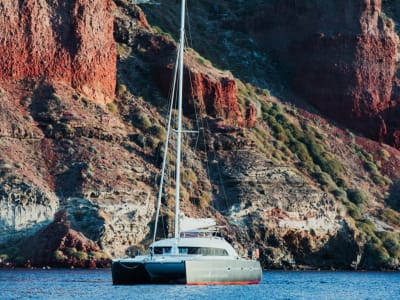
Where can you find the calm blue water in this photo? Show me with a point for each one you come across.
(96, 284)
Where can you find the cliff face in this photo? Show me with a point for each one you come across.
(278, 178)
(206, 90)
(340, 55)
(65, 41)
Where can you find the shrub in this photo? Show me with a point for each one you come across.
(159, 31)
(158, 131)
(112, 107)
(376, 255)
(205, 200)
(368, 228)
(394, 196)
(384, 154)
(391, 242)
(391, 216)
(189, 175)
(142, 121)
(300, 150)
(325, 180)
(340, 194)
(121, 89)
(356, 196)
(80, 255)
(56, 97)
(69, 251)
(58, 255)
(353, 210)
(98, 255)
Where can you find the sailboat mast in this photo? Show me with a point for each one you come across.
(179, 128)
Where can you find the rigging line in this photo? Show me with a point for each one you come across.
(189, 30)
(224, 195)
(197, 117)
(165, 157)
(204, 121)
(200, 122)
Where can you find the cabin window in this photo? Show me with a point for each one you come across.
(183, 250)
(206, 251)
(162, 250)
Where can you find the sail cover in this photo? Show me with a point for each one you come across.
(192, 224)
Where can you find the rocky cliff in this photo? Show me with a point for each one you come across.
(78, 173)
(70, 42)
(341, 56)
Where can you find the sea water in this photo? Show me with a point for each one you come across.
(96, 284)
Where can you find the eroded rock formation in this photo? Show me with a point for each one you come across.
(341, 55)
(65, 41)
(206, 90)
(60, 245)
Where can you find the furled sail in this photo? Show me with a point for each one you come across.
(192, 224)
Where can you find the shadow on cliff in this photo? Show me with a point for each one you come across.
(47, 108)
(341, 251)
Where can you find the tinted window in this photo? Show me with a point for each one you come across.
(206, 251)
(162, 250)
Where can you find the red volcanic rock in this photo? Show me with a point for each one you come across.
(206, 89)
(69, 41)
(212, 91)
(251, 115)
(341, 55)
(59, 245)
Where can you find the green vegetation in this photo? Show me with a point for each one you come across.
(59, 256)
(188, 176)
(391, 243)
(98, 255)
(371, 167)
(141, 120)
(390, 216)
(381, 248)
(56, 97)
(76, 254)
(306, 145)
(393, 199)
(121, 89)
(205, 200)
(158, 131)
(112, 107)
(159, 31)
(384, 154)
(356, 196)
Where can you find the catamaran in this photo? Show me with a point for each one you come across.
(196, 254)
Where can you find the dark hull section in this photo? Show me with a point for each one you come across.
(129, 273)
(148, 272)
(195, 272)
(166, 272)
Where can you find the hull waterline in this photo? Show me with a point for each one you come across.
(191, 272)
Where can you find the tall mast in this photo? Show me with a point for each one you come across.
(179, 128)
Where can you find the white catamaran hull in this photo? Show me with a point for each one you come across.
(194, 272)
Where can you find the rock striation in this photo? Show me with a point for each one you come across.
(340, 55)
(65, 41)
(24, 209)
(206, 90)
